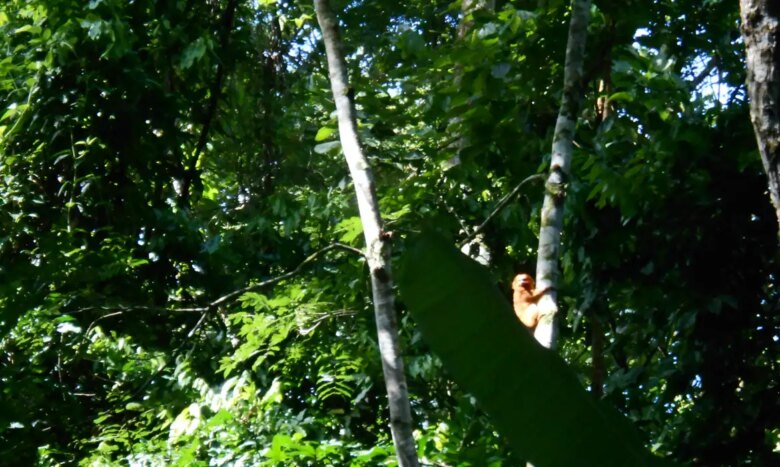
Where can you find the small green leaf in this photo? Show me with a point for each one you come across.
(301, 20)
(100, 419)
(351, 227)
(194, 52)
(220, 418)
(254, 300)
(324, 148)
(134, 263)
(324, 133)
(621, 96)
(31, 28)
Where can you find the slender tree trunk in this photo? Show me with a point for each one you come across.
(761, 32)
(558, 178)
(377, 244)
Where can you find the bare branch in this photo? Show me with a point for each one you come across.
(197, 325)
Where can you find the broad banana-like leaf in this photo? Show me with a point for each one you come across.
(533, 398)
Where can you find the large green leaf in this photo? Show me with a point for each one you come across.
(534, 399)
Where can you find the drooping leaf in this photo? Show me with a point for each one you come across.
(528, 391)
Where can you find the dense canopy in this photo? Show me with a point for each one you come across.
(182, 269)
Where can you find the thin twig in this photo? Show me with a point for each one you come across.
(286, 275)
(197, 325)
(92, 324)
(322, 317)
(733, 95)
(447, 143)
(127, 308)
(454, 214)
(121, 309)
(72, 182)
(501, 204)
(714, 61)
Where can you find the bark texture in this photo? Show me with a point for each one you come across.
(761, 32)
(377, 246)
(557, 180)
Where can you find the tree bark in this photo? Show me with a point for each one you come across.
(761, 33)
(557, 180)
(377, 243)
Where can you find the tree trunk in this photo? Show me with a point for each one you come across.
(761, 32)
(377, 244)
(558, 178)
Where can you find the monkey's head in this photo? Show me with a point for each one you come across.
(523, 281)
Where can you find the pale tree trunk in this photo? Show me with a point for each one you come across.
(547, 261)
(761, 32)
(377, 245)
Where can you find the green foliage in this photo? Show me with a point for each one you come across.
(134, 214)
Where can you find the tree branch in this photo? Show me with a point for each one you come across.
(501, 204)
(118, 310)
(322, 317)
(287, 275)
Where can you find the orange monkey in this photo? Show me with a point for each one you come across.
(525, 299)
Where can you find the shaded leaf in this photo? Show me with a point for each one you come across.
(528, 391)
